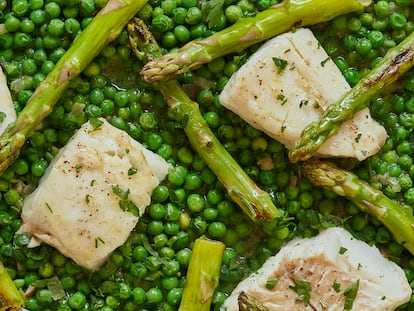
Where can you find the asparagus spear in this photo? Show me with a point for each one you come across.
(395, 63)
(256, 203)
(9, 294)
(105, 27)
(202, 275)
(396, 218)
(246, 32)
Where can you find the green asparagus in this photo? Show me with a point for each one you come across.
(202, 275)
(249, 303)
(104, 28)
(9, 294)
(398, 220)
(395, 63)
(246, 32)
(256, 203)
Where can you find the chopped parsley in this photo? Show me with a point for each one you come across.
(88, 198)
(95, 122)
(342, 250)
(302, 288)
(2, 116)
(280, 64)
(129, 206)
(125, 204)
(97, 241)
(350, 294)
(49, 207)
(303, 102)
(324, 61)
(123, 194)
(132, 171)
(212, 12)
(336, 287)
(271, 283)
(78, 166)
(282, 98)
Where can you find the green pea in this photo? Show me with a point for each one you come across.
(193, 16)
(68, 282)
(87, 8)
(169, 39)
(21, 166)
(179, 15)
(38, 167)
(148, 120)
(107, 106)
(182, 33)
(225, 208)
(382, 8)
(154, 295)
(56, 27)
(31, 304)
(157, 210)
(198, 31)
(154, 141)
(112, 302)
(169, 282)
(52, 9)
(44, 296)
(72, 26)
(233, 13)
(161, 23)
(363, 46)
(77, 300)
(198, 225)
(138, 295)
(155, 227)
(397, 20)
(38, 17)
(217, 229)
(22, 39)
(174, 296)
(351, 75)
(189, 3)
(195, 202)
(183, 256)
(354, 24)
(192, 181)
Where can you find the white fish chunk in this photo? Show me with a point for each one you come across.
(330, 263)
(287, 84)
(7, 112)
(92, 194)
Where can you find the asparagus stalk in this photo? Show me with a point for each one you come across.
(202, 275)
(396, 218)
(247, 302)
(395, 63)
(105, 27)
(9, 294)
(246, 32)
(256, 203)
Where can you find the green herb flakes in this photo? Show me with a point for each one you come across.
(280, 64)
(342, 250)
(132, 171)
(302, 288)
(97, 241)
(350, 294)
(336, 287)
(271, 283)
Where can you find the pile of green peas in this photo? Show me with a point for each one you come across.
(148, 271)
